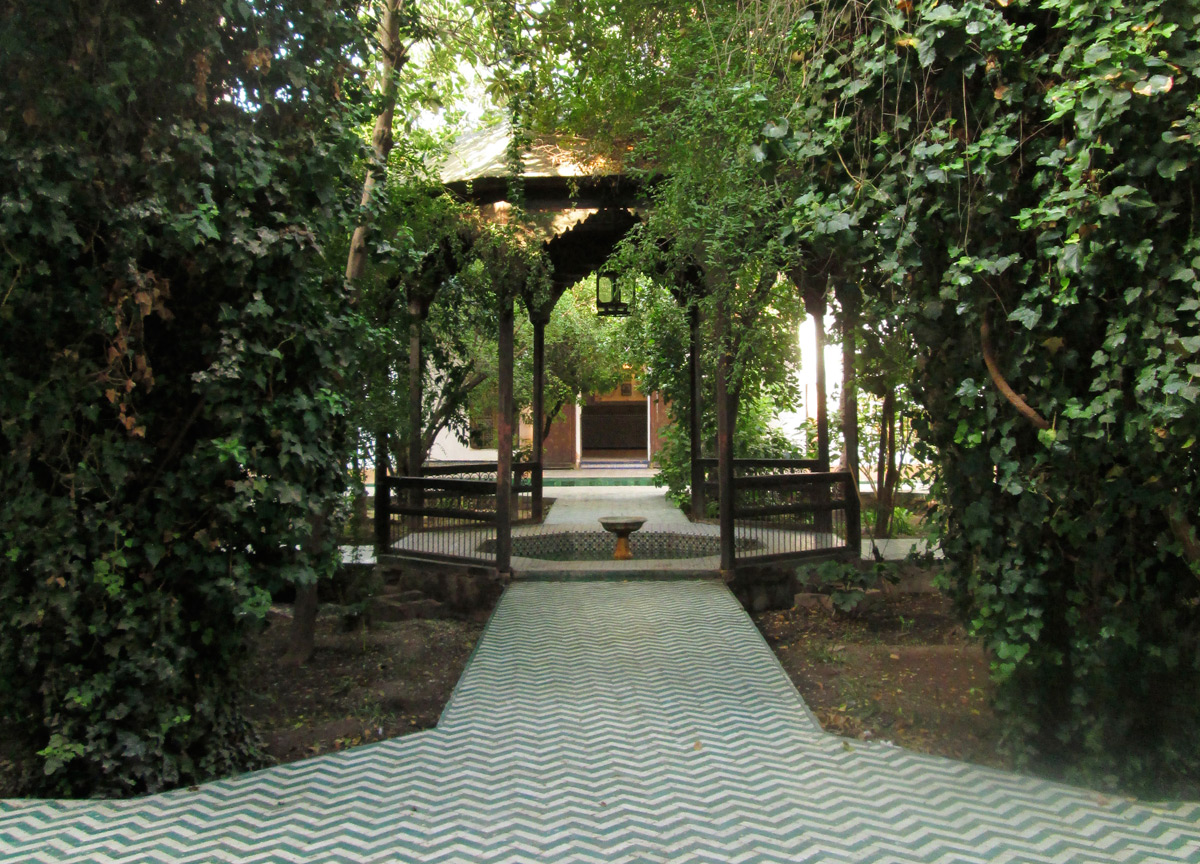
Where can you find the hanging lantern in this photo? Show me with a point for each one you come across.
(608, 296)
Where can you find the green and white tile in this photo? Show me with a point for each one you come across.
(614, 722)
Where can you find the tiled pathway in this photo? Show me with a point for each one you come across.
(634, 722)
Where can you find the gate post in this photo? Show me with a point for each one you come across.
(853, 518)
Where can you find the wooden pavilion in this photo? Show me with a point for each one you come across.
(464, 514)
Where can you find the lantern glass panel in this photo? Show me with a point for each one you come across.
(605, 285)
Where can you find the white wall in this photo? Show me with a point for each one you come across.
(447, 448)
(790, 421)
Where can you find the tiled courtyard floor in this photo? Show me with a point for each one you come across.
(616, 722)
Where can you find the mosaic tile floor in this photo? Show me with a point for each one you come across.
(614, 722)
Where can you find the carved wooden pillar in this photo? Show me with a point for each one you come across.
(504, 442)
(695, 409)
(726, 420)
(539, 322)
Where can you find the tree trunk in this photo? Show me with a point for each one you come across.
(551, 416)
(393, 54)
(302, 636)
(880, 473)
(726, 424)
(304, 613)
(822, 393)
(887, 475)
(892, 479)
(850, 383)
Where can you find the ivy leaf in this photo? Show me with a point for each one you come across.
(1154, 85)
(1026, 315)
(154, 553)
(1068, 262)
(776, 130)
(1168, 168)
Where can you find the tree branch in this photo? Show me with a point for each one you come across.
(989, 358)
(393, 56)
(442, 416)
(550, 415)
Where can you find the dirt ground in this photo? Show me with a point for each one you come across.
(361, 685)
(900, 670)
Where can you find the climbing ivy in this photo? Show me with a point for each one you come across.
(170, 355)
(1015, 182)
(1068, 198)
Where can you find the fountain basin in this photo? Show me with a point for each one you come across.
(622, 527)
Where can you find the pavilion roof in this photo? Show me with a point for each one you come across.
(482, 153)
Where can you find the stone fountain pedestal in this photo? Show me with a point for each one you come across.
(622, 527)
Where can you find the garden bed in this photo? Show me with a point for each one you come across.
(900, 668)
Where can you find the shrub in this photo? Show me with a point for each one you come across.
(169, 363)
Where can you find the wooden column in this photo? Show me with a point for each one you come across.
(539, 407)
(383, 518)
(853, 521)
(726, 419)
(417, 310)
(504, 441)
(695, 409)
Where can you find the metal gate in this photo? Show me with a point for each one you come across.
(786, 510)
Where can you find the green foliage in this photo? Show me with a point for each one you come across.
(754, 438)
(657, 339)
(904, 523)
(420, 246)
(1077, 248)
(1031, 167)
(170, 355)
(847, 582)
(1028, 168)
(584, 353)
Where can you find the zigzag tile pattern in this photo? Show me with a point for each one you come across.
(614, 722)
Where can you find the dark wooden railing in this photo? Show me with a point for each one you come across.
(786, 509)
(449, 513)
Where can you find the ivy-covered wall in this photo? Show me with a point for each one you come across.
(1012, 186)
(1067, 194)
(170, 353)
